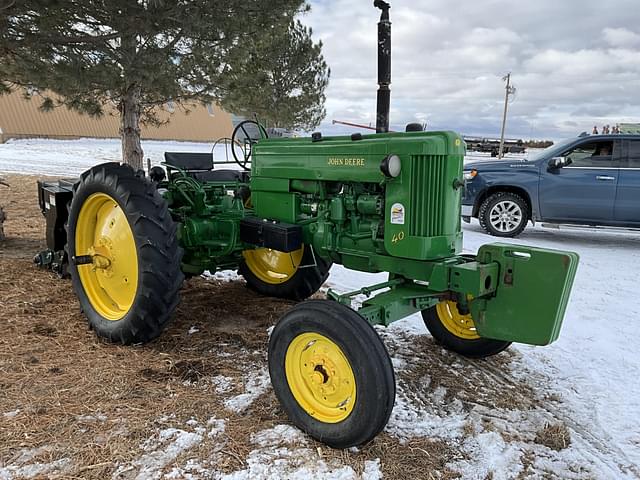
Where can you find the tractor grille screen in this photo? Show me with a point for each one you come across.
(428, 180)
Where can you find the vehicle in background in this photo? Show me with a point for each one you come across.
(590, 180)
(492, 145)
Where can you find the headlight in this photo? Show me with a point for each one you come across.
(391, 166)
(470, 174)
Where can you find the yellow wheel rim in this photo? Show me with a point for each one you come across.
(272, 266)
(320, 378)
(111, 281)
(460, 325)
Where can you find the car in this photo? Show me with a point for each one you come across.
(589, 180)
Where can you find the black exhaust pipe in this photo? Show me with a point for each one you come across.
(384, 67)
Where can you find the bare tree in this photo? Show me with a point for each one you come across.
(3, 216)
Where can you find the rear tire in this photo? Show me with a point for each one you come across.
(331, 373)
(457, 333)
(504, 214)
(294, 276)
(122, 224)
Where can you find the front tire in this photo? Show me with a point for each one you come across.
(457, 332)
(504, 214)
(124, 254)
(295, 275)
(331, 373)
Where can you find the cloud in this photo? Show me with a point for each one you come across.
(573, 67)
(621, 37)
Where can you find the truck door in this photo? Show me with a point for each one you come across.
(627, 205)
(585, 189)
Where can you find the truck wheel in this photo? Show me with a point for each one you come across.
(296, 275)
(124, 254)
(457, 332)
(503, 214)
(331, 373)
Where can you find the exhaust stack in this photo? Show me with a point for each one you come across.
(384, 67)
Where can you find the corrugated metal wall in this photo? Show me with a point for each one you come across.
(21, 118)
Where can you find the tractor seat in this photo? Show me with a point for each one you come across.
(220, 176)
(189, 161)
(200, 167)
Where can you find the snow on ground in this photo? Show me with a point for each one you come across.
(72, 157)
(588, 378)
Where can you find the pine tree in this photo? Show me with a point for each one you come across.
(133, 54)
(281, 77)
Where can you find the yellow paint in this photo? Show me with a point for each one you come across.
(272, 266)
(103, 232)
(460, 325)
(320, 377)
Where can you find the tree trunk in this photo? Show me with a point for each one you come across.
(2, 219)
(130, 128)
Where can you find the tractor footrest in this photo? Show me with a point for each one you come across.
(284, 237)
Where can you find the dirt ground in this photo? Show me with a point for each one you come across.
(89, 405)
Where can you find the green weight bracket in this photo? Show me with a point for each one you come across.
(531, 295)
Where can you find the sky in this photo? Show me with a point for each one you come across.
(574, 64)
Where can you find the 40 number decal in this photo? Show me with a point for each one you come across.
(397, 237)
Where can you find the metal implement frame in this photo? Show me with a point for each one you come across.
(456, 278)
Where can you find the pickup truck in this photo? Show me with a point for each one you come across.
(588, 180)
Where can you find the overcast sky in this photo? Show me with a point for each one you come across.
(574, 63)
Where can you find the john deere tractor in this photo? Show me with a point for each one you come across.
(292, 207)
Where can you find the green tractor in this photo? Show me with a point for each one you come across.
(385, 202)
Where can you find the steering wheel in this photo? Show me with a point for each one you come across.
(241, 137)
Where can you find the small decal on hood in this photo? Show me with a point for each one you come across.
(397, 214)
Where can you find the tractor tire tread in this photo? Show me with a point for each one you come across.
(373, 369)
(159, 254)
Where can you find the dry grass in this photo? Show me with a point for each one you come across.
(95, 403)
(555, 436)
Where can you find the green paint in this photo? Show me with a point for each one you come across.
(408, 226)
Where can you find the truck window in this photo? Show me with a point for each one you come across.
(591, 155)
(634, 153)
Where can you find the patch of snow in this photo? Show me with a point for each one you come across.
(192, 470)
(216, 427)
(292, 464)
(410, 420)
(193, 330)
(256, 384)
(25, 465)
(161, 450)
(222, 384)
(372, 470)
(278, 435)
(222, 276)
(36, 470)
(490, 457)
(72, 157)
(11, 414)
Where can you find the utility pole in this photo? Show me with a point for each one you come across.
(509, 90)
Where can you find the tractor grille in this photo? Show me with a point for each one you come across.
(428, 179)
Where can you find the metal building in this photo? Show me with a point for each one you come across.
(22, 118)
